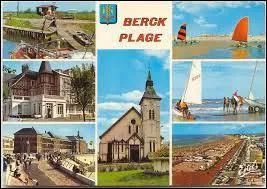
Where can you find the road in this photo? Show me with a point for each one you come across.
(46, 175)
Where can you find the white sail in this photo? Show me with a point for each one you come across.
(251, 96)
(193, 90)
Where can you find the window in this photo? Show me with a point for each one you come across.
(154, 146)
(32, 83)
(19, 109)
(60, 109)
(150, 114)
(153, 114)
(136, 128)
(129, 129)
(34, 108)
(121, 147)
(39, 108)
(150, 146)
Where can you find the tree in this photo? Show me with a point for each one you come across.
(83, 85)
(8, 70)
(29, 10)
(6, 91)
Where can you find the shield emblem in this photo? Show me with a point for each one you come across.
(108, 13)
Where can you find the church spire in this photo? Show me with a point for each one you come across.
(149, 90)
(149, 81)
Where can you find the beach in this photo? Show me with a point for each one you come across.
(190, 172)
(206, 45)
(212, 110)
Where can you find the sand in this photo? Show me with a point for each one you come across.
(202, 178)
(209, 43)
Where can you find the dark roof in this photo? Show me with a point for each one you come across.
(149, 91)
(45, 67)
(26, 131)
(132, 108)
(44, 6)
(31, 74)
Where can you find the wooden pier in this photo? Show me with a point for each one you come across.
(26, 32)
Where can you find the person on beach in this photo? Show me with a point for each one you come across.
(224, 103)
(235, 93)
(227, 104)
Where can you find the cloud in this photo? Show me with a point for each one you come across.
(161, 54)
(196, 7)
(202, 22)
(117, 106)
(178, 16)
(134, 95)
(139, 64)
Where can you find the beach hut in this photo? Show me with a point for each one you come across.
(46, 10)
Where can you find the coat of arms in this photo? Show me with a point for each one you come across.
(108, 13)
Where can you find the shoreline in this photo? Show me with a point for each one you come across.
(207, 44)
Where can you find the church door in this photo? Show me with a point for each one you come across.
(109, 156)
(134, 153)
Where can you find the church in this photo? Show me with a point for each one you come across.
(134, 135)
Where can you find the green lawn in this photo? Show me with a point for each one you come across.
(131, 178)
(88, 28)
(19, 23)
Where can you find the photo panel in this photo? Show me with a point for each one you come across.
(49, 91)
(218, 154)
(218, 91)
(133, 117)
(45, 155)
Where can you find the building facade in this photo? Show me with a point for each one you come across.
(29, 140)
(42, 94)
(135, 134)
(8, 145)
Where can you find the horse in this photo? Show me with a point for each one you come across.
(226, 104)
(237, 104)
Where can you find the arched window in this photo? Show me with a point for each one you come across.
(154, 146)
(136, 128)
(150, 114)
(150, 146)
(129, 129)
(153, 114)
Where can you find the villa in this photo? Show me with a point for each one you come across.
(42, 94)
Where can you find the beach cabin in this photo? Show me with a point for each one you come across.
(46, 10)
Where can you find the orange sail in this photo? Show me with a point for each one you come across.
(182, 32)
(241, 30)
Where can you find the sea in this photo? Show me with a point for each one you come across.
(8, 47)
(212, 110)
(234, 53)
(186, 140)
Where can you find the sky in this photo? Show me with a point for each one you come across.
(217, 129)
(62, 5)
(87, 131)
(35, 65)
(209, 17)
(221, 79)
(122, 76)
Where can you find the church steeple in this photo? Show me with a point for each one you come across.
(150, 92)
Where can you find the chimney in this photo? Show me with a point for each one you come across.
(25, 68)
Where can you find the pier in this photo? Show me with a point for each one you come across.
(26, 32)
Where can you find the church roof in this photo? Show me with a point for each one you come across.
(45, 67)
(114, 124)
(150, 92)
(27, 131)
